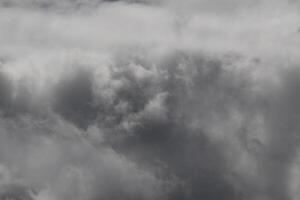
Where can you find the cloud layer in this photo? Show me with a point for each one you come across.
(149, 100)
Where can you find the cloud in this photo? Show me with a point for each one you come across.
(149, 99)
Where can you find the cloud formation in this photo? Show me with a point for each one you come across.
(149, 100)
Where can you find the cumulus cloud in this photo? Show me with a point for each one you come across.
(140, 99)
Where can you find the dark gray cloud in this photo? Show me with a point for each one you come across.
(149, 100)
(74, 100)
(183, 125)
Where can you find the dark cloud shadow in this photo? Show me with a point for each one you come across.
(74, 99)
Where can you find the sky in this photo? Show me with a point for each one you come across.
(149, 100)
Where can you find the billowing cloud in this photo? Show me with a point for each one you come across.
(148, 100)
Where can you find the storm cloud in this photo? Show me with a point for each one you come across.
(146, 100)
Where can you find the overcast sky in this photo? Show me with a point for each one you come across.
(149, 100)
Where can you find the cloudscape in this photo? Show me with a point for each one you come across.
(149, 100)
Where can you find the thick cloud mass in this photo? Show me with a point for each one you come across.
(149, 100)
